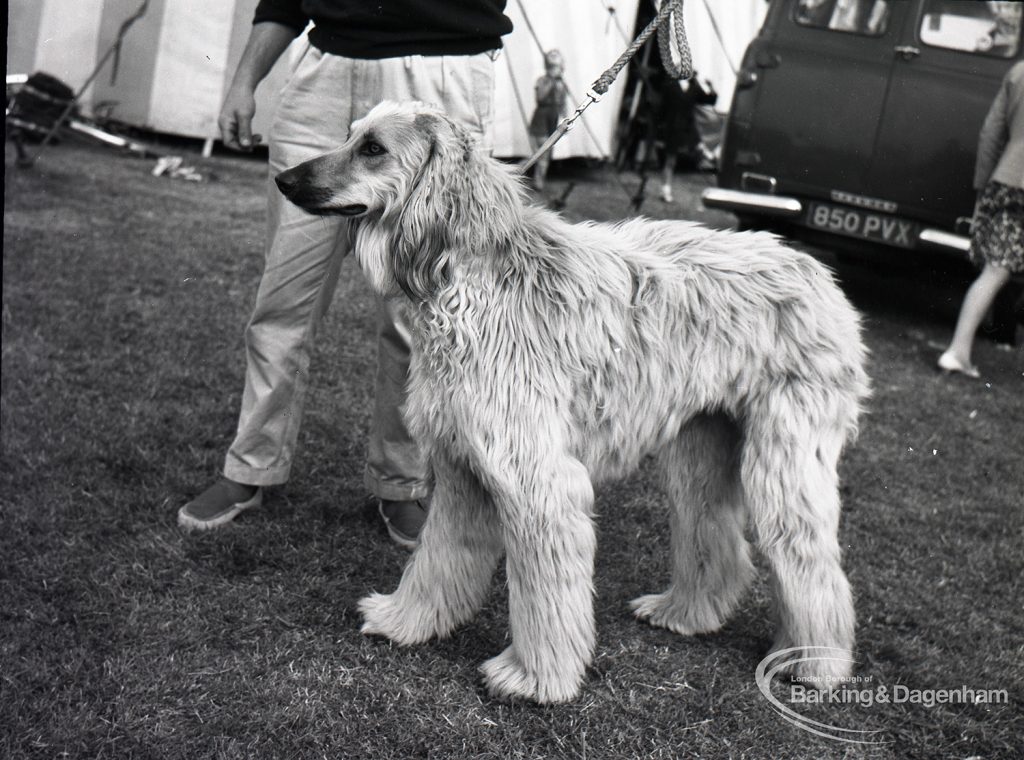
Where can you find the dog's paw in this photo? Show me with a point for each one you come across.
(384, 616)
(665, 611)
(506, 678)
(820, 667)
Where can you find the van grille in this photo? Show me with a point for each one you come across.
(863, 201)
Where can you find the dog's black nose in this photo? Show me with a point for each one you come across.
(288, 181)
(299, 185)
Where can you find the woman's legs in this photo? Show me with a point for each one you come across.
(667, 172)
(976, 303)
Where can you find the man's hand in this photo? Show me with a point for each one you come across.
(235, 119)
(267, 41)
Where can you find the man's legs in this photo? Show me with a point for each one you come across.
(397, 472)
(396, 468)
(324, 96)
(303, 257)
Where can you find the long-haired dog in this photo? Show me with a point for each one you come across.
(549, 355)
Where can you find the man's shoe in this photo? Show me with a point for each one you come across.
(218, 505)
(404, 520)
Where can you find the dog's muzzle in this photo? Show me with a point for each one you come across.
(298, 185)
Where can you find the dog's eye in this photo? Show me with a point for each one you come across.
(371, 148)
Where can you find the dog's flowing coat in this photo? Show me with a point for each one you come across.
(550, 355)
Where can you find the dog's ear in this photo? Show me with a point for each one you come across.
(433, 218)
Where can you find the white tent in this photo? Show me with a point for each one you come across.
(176, 61)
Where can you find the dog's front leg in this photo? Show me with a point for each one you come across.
(550, 543)
(448, 576)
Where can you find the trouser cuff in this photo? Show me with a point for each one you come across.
(390, 489)
(256, 476)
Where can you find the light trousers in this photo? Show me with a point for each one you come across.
(323, 96)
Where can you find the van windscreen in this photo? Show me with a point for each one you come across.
(870, 17)
(984, 28)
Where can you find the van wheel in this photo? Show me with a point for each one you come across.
(747, 222)
(755, 222)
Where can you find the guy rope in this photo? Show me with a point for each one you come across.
(671, 37)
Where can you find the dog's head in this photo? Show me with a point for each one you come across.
(372, 170)
(421, 195)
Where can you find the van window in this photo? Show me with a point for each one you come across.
(869, 17)
(986, 28)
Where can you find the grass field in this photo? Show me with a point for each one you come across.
(124, 298)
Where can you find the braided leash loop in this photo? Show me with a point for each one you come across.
(668, 20)
(671, 36)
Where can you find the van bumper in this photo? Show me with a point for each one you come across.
(741, 202)
(787, 207)
(943, 241)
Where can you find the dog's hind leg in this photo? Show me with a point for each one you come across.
(449, 574)
(550, 543)
(789, 474)
(711, 558)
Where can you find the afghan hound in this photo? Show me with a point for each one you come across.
(550, 355)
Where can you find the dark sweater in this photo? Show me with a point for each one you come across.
(393, 28)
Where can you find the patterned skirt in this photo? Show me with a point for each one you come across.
(997, 235)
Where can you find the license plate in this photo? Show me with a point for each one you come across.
(866, 225)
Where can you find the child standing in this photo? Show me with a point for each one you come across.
(551, 94)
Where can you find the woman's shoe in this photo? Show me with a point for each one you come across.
(949, 363)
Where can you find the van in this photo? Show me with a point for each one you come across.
(859, 119)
